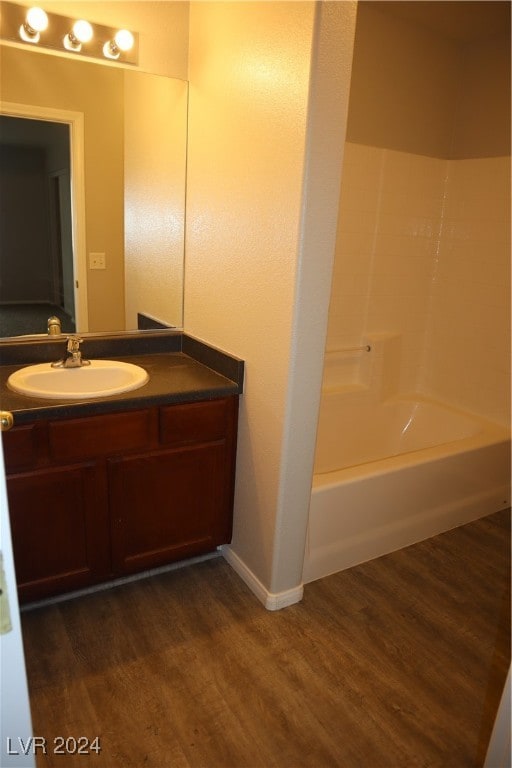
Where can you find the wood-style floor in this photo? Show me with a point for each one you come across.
(396, 663)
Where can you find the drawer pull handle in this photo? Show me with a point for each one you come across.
(6, 420)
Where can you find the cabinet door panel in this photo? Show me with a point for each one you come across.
(59, 522)
(168, 505)
(20, 448)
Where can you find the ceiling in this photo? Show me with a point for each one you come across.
(460, 20)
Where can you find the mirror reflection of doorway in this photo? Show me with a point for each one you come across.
(36, 258)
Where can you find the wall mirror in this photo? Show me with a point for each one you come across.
(92, 195)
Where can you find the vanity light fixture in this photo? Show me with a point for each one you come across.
(64, 34)
(36, 21)
(123, 41)
(82, 32)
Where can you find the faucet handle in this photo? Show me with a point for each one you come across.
(54, 326)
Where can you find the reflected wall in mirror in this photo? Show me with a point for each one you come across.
(37, 271)
(131, 171)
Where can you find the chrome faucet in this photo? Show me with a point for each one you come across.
(54, 326)
(73, 358)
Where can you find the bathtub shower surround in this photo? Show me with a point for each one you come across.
(373, 367)
(370, 509)
(387, 250)
(467, 343)
(422, 275)
(424, 251)
(392, 469)
(414, 436)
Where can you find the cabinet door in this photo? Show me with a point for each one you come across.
(60, 531)
(168, 505)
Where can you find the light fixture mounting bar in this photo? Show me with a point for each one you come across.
(13, 16)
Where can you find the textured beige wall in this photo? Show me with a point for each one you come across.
(415, 90)
(249, 77)
(482, 119)
(404, 85)
(246, 253)
(154, 173)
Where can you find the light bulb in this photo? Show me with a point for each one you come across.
(82, 30)
(124, 39)
(37, 19)
(81, 33)
(36, 22)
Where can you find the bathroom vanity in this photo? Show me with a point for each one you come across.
(113, 486)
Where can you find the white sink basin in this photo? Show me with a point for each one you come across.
(99, 379)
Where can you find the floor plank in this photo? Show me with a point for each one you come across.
(395, 663)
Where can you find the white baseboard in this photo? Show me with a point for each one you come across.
(273, 601)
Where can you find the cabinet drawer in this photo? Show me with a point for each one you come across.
(99, 436)
(20, 448)
(194, 422)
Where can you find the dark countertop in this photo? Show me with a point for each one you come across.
(174, 376)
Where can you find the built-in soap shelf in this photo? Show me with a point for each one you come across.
(372, 366)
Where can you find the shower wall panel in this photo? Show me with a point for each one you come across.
(387, 250)
(423, 250)
(467, 352)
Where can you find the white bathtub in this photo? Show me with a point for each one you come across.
(389, 474)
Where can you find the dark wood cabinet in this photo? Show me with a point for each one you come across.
(177, 501)
(59, 525)
(94, 498)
